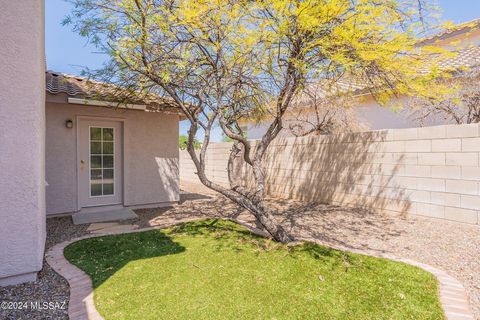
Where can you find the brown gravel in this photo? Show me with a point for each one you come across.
(50, 287)
(450, 246)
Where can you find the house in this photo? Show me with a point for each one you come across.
(102, 153)
(464, 39)
(67, 147)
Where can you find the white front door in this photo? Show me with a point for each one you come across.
(100, 163)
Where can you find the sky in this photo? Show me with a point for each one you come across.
(68, 52)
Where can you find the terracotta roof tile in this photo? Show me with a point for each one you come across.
(465, 58)
(60, 83)
(80, 87)
(451, 32)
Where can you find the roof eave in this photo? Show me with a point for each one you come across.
(101, 103)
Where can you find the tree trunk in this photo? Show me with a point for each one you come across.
(268, 221)
(252, 201)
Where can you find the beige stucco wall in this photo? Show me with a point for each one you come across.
(150, 155)
(22, 136)
(368, 113)
(429, 171)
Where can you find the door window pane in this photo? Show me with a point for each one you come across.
(102, 161)
(107, 173)
(96, 189)
(96, 174)
(107, 134)
(95, 147)
(108, 161)
(95, 133)
(108, 189)
(96, 161)
(107, 147)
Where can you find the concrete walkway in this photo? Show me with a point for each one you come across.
(103, 216)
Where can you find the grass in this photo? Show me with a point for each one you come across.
(215, 269)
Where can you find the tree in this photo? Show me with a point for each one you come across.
(183, 143)
(319, 111)
(225, 138)
(223, 60)
(325, 116)
(459, 106)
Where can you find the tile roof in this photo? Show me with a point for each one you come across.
(62, 83)
(468, 57)
(465, 59)
(451, 32)
(329, 88)
(80, 87)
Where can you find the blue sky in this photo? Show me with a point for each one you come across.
(68, 52)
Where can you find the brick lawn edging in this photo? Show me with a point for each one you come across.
(453, 296)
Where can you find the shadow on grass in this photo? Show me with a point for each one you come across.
(226, 234)
(102, 257)
(220, 269)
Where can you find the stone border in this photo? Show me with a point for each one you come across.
(453, 296)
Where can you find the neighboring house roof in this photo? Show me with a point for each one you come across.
(83, 88)
(465, 63)
(465, 58)
(451, 32)
(331, 88)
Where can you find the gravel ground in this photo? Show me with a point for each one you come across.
(50, 287)
(450, 246)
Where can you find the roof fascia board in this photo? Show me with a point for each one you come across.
(99, 103)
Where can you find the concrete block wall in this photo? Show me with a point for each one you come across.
(216, 169)
(428, 171)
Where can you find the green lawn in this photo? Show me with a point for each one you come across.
(214, 269)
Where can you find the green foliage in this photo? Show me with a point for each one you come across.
(246, 57)
(183, 143)
(215, 269)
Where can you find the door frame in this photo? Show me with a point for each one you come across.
(78, 120)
